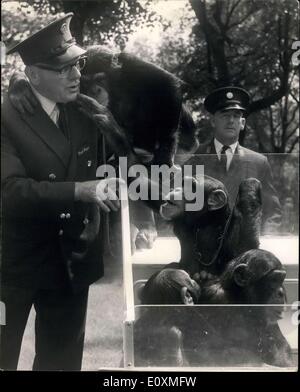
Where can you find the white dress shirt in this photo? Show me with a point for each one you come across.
(229, 152)
(49, 106)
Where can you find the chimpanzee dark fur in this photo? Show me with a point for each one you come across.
(144, 99)
(200, 232)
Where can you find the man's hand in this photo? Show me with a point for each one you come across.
(106, 123)
(21, 95)
(102, 192)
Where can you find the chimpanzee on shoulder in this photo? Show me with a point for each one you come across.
(145, 100)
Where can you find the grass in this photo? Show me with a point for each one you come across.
(103, 341)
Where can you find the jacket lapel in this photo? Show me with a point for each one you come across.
(74, 124)
(235, 162)
(45, 128)
(214, 163)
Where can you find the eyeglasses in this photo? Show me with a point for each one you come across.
(65, 71)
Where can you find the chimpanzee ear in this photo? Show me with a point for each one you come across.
(241, 275)
(216, 199)
(186, 297)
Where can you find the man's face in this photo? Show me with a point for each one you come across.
(227, 125)
(61, 88)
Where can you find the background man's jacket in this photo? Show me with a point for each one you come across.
(245, 164)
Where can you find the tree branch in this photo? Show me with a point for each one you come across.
(293, 131)
(252, 11)
(293, 144)
(214, 39)
(234, 6)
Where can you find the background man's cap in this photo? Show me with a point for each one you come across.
(227, 98)
(51, 46)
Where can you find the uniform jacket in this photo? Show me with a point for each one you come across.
(245, 164)
(48, 239)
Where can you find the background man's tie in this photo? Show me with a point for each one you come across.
(223, 160)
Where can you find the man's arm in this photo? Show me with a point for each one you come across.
(24, 197)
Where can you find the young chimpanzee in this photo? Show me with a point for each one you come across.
(232, 335)
(144, 99)
(212, 236)
(170, 286)
(157, 338)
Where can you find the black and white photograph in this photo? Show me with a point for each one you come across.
(149, 187)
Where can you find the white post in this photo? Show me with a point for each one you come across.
(129, 313)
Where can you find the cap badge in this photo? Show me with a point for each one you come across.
(229, 95)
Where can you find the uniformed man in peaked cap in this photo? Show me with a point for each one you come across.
(228, 161)
(51, 206)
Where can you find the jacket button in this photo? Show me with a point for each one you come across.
(68, 215)
(52, 176)
(85, 221)
(62, 216)
(61, 232)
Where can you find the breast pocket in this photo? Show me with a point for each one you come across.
(86, 162)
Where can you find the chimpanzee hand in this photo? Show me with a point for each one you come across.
(203, 276)
(116, 238)
(145, 237)
(21, 95)
(106, 123)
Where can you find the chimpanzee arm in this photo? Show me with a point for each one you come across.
(116, 138)
(167, 148)
(274, 348)
(272, 212)
(20, 94)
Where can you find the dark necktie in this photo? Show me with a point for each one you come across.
(62, 122)
(223, 160)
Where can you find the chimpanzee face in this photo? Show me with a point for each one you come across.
(176, 202)
(98, 92)
(171, 286)
(95, 86)
(260, 276)
(272, 294)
